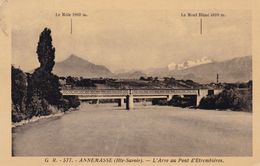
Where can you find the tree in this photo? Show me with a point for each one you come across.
(46, 51)
(19, 91)
(70, 81)
(142, 78)
(19, 87)
(43, 85)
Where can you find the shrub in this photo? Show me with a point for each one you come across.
(64, 105)
(228, 99)
(73, 101)
(182, 101)
(159, 102)
(37, 107)
(17, 116)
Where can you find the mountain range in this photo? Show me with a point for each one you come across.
(189, 63)
(234, 70)
(203, 70)
(79, 67)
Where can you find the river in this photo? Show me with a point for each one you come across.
(108, 130)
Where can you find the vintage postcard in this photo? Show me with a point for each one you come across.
(129, 82)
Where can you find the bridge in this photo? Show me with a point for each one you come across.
(129, 95)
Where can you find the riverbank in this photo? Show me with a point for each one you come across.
(37, 118)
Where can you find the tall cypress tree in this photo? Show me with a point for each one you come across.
(46, 51)
(42, 82)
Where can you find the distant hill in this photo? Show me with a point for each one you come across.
(234, 70)
(157, 71)
(78, 67)
(134, 74)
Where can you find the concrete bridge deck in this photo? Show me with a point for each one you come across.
(130, 94)
(128, 91)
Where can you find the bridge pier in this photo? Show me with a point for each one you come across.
(198, 99)
(129, 102)
(120, 102)
(169, 97)
(201, 93)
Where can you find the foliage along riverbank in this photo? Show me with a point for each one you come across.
(34, 119)
(37, 94)
(56, 113)
(231, 98)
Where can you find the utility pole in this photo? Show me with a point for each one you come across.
(201, 26)
(217, 78)
(70, 25)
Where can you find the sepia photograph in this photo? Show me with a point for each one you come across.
(135, 82)
(146, 82)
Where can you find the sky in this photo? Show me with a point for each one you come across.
(129, 39)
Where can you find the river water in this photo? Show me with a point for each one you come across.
(108, 130)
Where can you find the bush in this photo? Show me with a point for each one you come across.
(17, 116)
(38, 107)
(64, 105)
(179, 101)
(229, 99)
(73, 101)
(159, 102)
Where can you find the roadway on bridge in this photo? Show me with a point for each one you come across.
(108, 130)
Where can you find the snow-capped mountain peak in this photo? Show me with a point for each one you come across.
(189, 63)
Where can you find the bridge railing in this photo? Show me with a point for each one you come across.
(126, 92)
(165, 91)
(93, 91)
